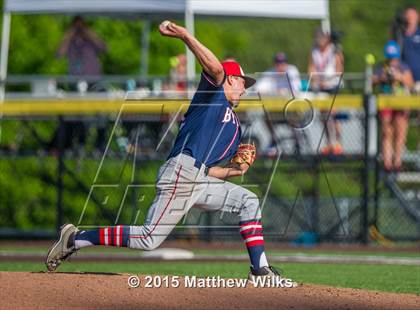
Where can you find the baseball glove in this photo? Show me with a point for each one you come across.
(245, 154)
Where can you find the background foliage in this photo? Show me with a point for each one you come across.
(253, 41)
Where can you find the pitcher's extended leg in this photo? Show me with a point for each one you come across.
(176, 193)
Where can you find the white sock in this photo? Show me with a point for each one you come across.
(263, 260)
(78, 244)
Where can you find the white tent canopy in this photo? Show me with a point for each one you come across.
(313, 9)
(161, 9)
(119, 7)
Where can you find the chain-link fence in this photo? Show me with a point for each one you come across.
(396, 212)
(320, 173)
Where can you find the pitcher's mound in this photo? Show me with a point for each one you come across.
(25, 290)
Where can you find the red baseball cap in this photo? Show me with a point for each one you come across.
(234, 68)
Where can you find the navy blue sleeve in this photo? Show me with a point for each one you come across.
(207, 82)
(208, 91)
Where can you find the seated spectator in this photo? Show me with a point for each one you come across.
(326, 64)
(281, 80)
(393, 77)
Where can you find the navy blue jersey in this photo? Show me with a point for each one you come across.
(411, 53)
(210, 131)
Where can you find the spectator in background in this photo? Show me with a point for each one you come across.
(82, 47)
(411, 44)
(393, 77)
(326, 64)
(281, 80)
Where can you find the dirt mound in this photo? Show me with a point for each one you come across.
(24, 290)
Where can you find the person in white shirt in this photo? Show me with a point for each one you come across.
(326, 64)
(281, 80)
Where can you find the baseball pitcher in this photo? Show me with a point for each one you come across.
(193, 175)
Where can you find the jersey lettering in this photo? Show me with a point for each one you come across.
(228, 116)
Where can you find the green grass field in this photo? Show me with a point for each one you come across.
(391, 278)
(396, 253)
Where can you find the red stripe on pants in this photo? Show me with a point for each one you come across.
(167, 205)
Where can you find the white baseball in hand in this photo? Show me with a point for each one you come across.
(165, 24)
